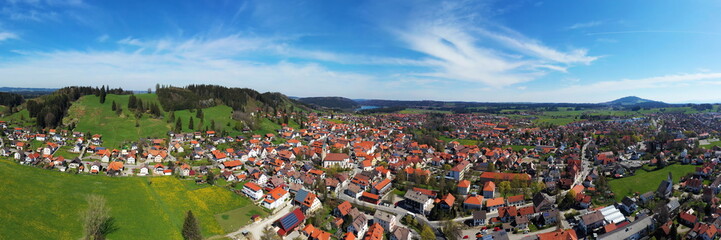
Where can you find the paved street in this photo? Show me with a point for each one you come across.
(256, 229)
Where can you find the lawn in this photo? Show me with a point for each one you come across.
(518, 147)
(92, 116)
(645, 181)
(151, 208)
(234, 219)
(64, 151)
(711, 145)
(21, 118)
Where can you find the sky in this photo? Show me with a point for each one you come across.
(488, 51)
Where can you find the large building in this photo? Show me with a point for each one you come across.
(457, 172)
(336, 159)
(418, 202)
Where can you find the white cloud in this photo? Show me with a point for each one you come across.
(536, 49)
(585, 25)
(7, 35)
(184, 62)
(462, 51)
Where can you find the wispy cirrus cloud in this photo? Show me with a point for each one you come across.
(7, 36)
(460, 48)
(585, 25)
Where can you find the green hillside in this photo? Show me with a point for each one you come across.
(41, 204)
(90, 115)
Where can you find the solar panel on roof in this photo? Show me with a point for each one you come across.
(289, 221)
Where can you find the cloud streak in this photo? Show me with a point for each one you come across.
(457, 50)
(7, 36)
(584, 25)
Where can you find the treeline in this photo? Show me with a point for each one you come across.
(381, 110)
(49, 110)
(200, 96)
(331, 102)
(10, 99)
(139, 107)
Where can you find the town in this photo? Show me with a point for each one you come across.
(403, 176)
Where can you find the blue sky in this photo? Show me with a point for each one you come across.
(495, 51)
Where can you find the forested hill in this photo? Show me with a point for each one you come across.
(10, 99)
(331, 102)
(240, 99)
(49, 110)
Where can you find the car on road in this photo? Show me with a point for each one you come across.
(465, 237)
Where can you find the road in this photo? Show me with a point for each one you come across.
(256, 229)
(585, 167)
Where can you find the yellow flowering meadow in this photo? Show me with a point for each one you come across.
(43, 204)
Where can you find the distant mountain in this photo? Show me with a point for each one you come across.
(331, 102)
(28, 93)
(633, 100)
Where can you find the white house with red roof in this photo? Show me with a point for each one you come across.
(252, 190)
(336, 159)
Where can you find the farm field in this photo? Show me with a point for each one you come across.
(645, 181)
(142, 207)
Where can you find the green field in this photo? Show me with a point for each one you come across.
(645, 181)
(222, 115)
(518, 147)
(21, 118)
(42, 204)
(92, 116)
(64, 151)
(711, 145)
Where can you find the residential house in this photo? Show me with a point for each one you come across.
(489, 190)
(418, 202)
(354, 191)
(401, 233)
(252, 190)
(479, 218)
(290, 221)
(275, 198)
(560, 234)
(447, 201)
(591, 221)
(516, 200)
(463, 187)
(495, 203)
(473, 202)
(549, 217)
(359, 225)
(307, 200)
(382, 187)
(386, 220)
(336, 159)
(458, 171)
